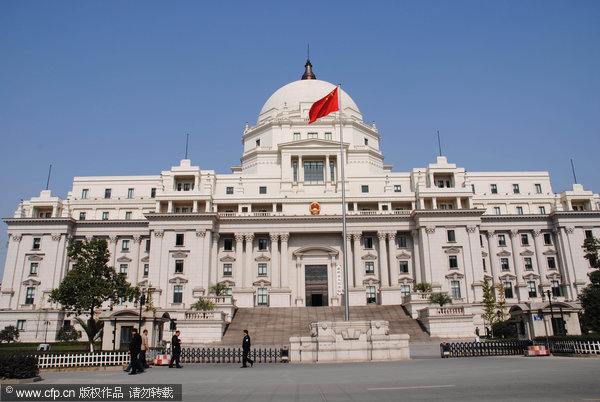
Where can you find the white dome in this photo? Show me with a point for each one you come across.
(302, 91)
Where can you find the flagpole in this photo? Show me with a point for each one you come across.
(343, 175)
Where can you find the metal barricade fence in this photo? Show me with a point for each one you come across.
(472, 349)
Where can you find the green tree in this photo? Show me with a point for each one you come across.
(422, 287)
(501, 303)
(67, 334)
(440, 298)
(203, 305)
(489, 304)
(91, 283)
(590, 295)
(9, 334)
(218, 289)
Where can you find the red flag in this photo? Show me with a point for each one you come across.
(324, 106)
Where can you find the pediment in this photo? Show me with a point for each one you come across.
(227, 283)
(35, 257)
(262, 283)
(31, 282)
(178, 280)
(403, 256)
(452, 250)
(262, 258)
(369, 257)
(503, 253)
(527, 253)
(531, 276)
(124, 259)
(315, 251)
(143, 283)
(550, 252)
(227, 258)
(405, 280)
(145, 259)
(553, 275)
(370, 281)
(507, 276)
(455, 276)
(179, 254)
(484, 254)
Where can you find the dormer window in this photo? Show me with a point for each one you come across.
(328, 136)
(312, 136)
(258, 143)
(366, 141)
(296, 136)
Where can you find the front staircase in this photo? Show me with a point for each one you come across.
(274, 325)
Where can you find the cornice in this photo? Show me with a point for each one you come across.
(195, 216)
(447, 212)
(23, 221)
(513, 218)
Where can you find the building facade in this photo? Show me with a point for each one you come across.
(271, 230)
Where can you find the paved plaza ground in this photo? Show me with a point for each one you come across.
(463, 379)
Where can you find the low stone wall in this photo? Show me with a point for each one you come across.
(200, 327)
(448, 321)
(349, 341)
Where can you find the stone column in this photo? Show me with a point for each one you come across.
(284, 260)
(327, 177)
(394, 269)
(539, 259)
(195, 206)
(214, 260)
(206, 248)
(566, 266)
(493, 248)
(300, 170)
(349, 261)
(249, 268)
(113, 242)
(514, 238)
(239, 263)
(170, 207)
(383, 264)
(475, 275)
(359, 270)
(424, 233)
(135, 261)
(275, 274)
(416, 256)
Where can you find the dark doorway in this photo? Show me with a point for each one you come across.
(125, 337)
(316, 285)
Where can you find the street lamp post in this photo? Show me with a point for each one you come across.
(551, 311)
(142, 302)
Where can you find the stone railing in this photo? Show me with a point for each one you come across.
(204, 315)
(220, 300)
(441, 311)
(416, 297)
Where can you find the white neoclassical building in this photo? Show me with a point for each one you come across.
(271, 230)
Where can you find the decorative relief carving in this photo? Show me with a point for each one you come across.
(471, 229)
(536, 232)
(249, 237)
(200, 233)
(274, 237)
(112, 239)
(239, 237)
(357, 236)
(381, 235)
(17, 238)
(570, 229)
(430, 229)
(284, 236)
(514, 233)
(137, 239)
(55, 236)
(159, 233)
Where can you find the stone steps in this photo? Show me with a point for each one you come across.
(274, 325)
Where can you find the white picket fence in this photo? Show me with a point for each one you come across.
(577, 347)
(99, 359)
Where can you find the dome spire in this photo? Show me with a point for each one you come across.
(308, 74)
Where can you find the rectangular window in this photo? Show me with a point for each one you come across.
(589, 234)
(496, 210)
(84, 193)
(262, 298)
(146, 269)
(177, 293)
(129, 193)
(547, 239)
(227, 244)
(258, 143)
(295, 171)
(397, 188)
(179, 239)
(262, 190)
(262, 244)
(178, 266)
(455, 287)
(453, 261)
(451, 235)
(366, 141)
(483, 264)
(153, 192)
(262, 269)
(401, 241)
(127, 215)
(531, 288)
(404, 267)
(229, 190)
(21, 325)
(524, 239)
(528, 264)
(107, 192)
(519, 210)
(328, 136)
(36, 243)
(508, 290)
(542, 210)
(332, 171)
(312, 136)
(29, 295)
(516, 189)
(494, 188)
(371, 295)
(296, 136)
(405, 290)
(227, 269)
(538, 188)
(123, 269)
(125, 245)
(105, 216)
(501, 240)
(369, 267)
(364, 188)
(147, 245)
(551, 262)
(504, 264)
(33, 268)
(367, 242)
(556, 288)
(313, 172)
(82, 216)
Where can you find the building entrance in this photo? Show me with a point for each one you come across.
(316, 285)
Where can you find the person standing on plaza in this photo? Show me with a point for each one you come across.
(176, 349)
(145, 347)
(246, 350)
(134, 349)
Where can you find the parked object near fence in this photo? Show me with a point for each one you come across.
(471, 349)
(539, 350)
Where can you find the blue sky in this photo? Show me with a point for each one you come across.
(112, 87)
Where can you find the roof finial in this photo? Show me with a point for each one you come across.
(308, 74)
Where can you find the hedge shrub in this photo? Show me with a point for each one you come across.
(18, 366)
